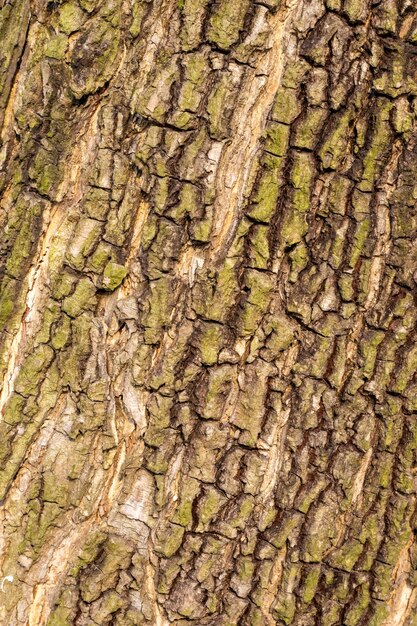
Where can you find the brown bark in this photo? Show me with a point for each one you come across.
(208, 303)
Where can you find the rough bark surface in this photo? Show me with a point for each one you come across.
(208, 303)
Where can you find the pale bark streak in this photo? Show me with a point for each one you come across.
(248, 124)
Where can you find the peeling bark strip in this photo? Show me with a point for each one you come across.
(208, 313)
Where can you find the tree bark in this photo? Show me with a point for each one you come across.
(208, 312)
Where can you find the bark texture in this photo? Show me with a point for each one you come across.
(208, 303)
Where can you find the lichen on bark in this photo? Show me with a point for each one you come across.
(207, 304)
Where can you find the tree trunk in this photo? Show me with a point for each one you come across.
(208, 312)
